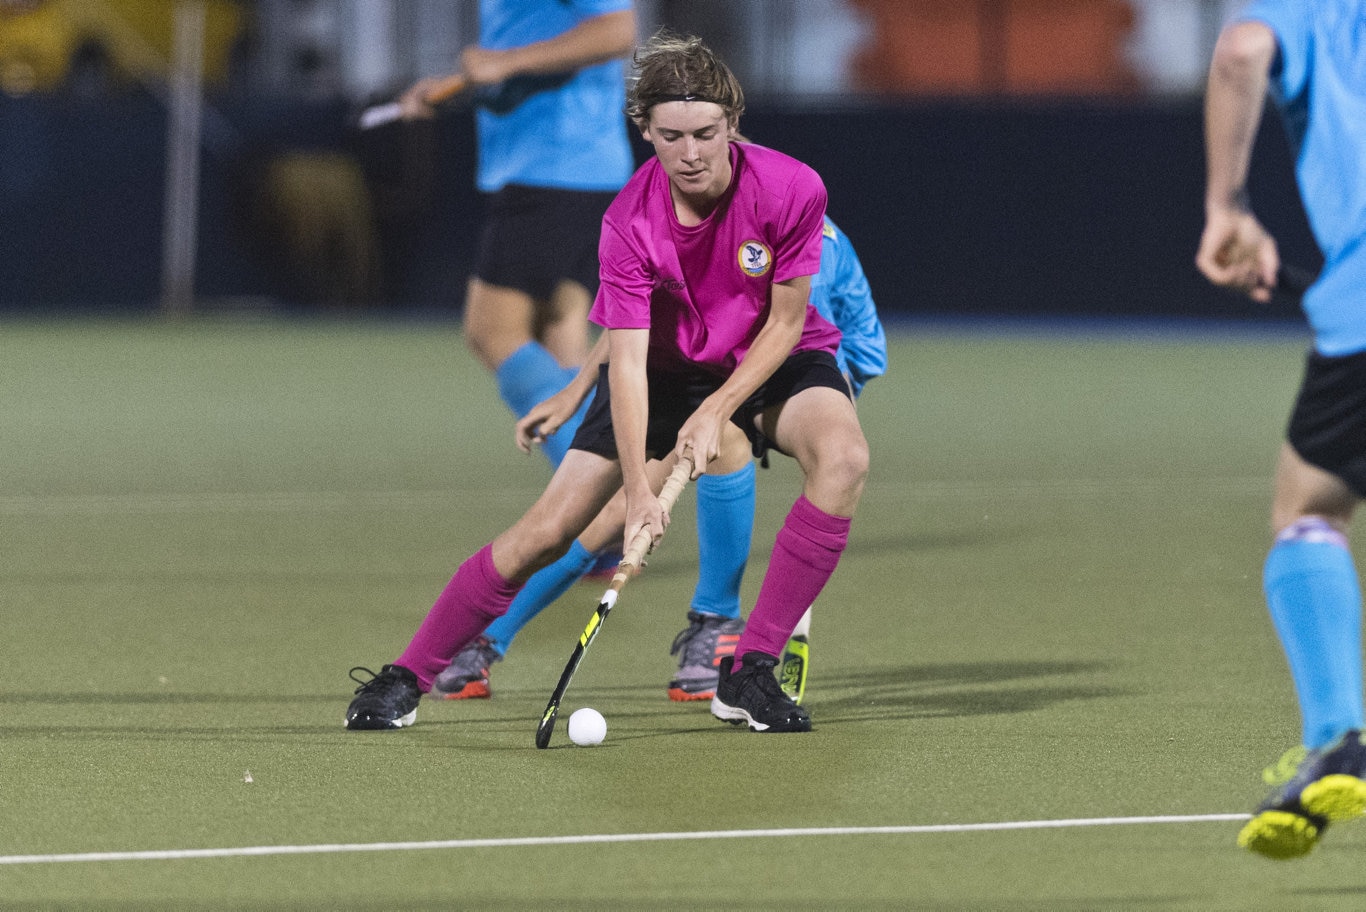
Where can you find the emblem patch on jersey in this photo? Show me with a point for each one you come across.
(755, 258)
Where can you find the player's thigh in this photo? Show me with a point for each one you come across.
(819, 428)
(1303, 490)
(498, 321)
(561, 323)
(580, 488)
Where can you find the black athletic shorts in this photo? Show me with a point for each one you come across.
(674, 397)
(534, 237)
(1328, 425)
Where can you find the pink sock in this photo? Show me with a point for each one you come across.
(809, 546)
(471, 600)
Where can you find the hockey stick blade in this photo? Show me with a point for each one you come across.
(795, 664)
(586, 638)
(629, 566)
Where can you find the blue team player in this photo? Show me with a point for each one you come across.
(1311, 56)
(725, 517)
(549, 82)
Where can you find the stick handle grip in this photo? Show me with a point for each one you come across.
(640, 545)
(445, 88)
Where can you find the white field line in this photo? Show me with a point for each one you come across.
(597, 839)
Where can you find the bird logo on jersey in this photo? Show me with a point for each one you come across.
(755, 258)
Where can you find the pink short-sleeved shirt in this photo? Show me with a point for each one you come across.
(703, 291)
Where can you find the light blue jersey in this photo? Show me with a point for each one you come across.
(569, 135)
(840, 292)
(1319, 82)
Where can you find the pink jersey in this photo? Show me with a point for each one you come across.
(703, 291)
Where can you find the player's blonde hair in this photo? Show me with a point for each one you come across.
(671, 67)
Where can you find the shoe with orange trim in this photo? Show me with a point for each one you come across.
(708, 639)
(467, 677)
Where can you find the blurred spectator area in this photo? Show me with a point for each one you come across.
(51, 44)
(1058, 141)
(828, 49)
(996, 47)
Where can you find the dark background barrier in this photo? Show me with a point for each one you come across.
(1049, 208)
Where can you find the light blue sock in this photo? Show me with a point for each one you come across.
(548, 584)
(1315, 600)
(725, 525)
(531, 375)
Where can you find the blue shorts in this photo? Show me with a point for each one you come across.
(535, 237)
(674, 397)
(1328, 424)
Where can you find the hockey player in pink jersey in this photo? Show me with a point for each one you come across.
(706, 262)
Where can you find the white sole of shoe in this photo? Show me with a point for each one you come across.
(735, 715)
(401, 722)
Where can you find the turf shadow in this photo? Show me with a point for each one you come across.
(955, 689)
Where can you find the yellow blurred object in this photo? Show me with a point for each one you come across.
(39, 38)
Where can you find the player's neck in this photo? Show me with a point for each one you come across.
(692, 209)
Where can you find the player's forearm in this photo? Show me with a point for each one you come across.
(626, 353)
(591, 42)
(587, 377)
(1235, 98)
(630, 414)
(781, 332)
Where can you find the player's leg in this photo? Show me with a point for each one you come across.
(467, 677)
(561, 324)
(562, 327)
(498, 324)
(817, 426)
(725, 526)
(526, 309)
(468, 674)
(1314, 598)
(484, 586)
(1313, 595)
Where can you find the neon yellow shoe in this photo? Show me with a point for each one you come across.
(1312, 789)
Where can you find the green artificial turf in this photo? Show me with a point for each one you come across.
(1049, 610)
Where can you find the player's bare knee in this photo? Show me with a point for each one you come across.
(843, 466)
(1332, 503)
(532, 543)
(474, 344)
(1283, 520)
(540, 554)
